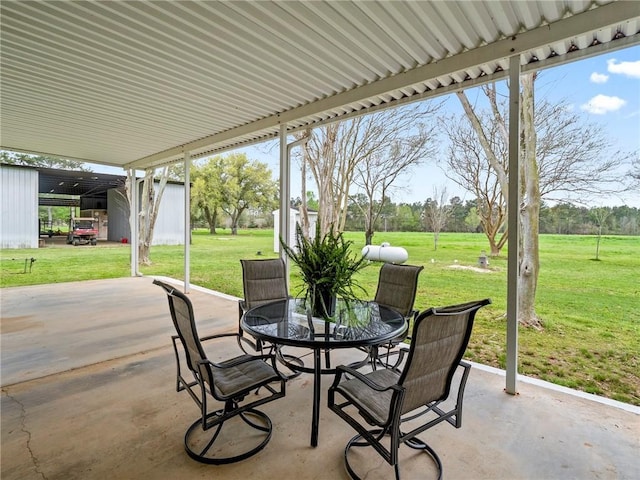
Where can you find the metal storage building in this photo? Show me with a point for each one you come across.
(20, 186)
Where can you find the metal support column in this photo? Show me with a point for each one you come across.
(513, 225)
(187, 221)
(285, 169)
(285, 192)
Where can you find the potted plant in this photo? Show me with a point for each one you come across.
(326, 266)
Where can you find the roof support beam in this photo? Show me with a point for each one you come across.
(605, 15)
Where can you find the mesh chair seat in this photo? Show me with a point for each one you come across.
(375, 405)
(232, 381)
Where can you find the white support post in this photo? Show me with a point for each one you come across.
(285, 186)
(285, 193)
(513, 225)
(187, 221)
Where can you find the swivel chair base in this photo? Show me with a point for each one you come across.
(201, 445)
(414, 443)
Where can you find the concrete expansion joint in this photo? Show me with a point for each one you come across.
(23, 428)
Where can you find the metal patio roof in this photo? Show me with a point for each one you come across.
(137, 83)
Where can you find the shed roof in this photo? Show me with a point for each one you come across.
(138, 83)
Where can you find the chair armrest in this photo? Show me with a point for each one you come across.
(240, 359)
(219, 335)
(234, 362)
(341, 369)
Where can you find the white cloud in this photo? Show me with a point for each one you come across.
(630, 69)
(598, 77)
(601, 104)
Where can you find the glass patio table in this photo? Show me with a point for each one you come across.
(285, 323)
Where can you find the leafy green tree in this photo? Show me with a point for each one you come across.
(312, 201)
(472, 220)
(16, 158)
(206, 191)
(245, 184)
(407, 218)
(455, 222)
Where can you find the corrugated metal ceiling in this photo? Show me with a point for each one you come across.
(137, 82)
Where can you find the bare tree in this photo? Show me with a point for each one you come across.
(304, 161)
(634, 173)
(437, 211)
(376, 173)
(468, 167)
(335, 151)
(150, 205)
(600, 216)
(560, 154)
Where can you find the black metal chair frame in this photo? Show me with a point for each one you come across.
(203, 385)
(392, 383)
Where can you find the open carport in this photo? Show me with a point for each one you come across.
(94, 398)
(145, 84)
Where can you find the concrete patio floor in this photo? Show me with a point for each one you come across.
(88, 392)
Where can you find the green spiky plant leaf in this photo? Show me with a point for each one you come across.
(327, 267)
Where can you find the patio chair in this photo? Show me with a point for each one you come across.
(263, 281)
(397, 285)
(231, 381)
(378, 404)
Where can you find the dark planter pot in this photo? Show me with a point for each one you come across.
(324, 304)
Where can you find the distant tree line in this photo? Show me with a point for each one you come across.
(561, 218)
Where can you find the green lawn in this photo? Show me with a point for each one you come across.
(590, 309)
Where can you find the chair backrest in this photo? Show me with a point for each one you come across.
(263, 281)
(184, 321)
(438, 342)
(397, 285)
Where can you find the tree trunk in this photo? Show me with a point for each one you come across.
(529, 211)
(211, 218)
(149, 212)
(304, 212)
(235, 218)
(145, 218)
(368, 236)
(493, 246)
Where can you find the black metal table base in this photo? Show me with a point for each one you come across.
(297, 365)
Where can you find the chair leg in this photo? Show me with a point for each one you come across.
(200, 443)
